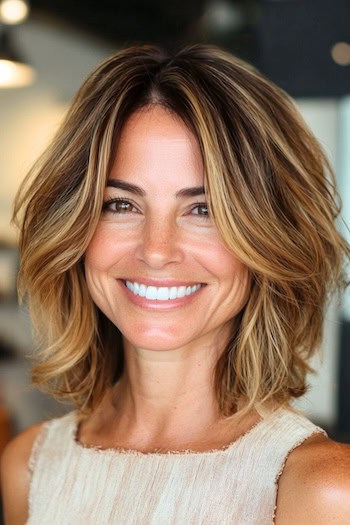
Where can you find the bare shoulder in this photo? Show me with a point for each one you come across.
(15, 475)
(315, 484)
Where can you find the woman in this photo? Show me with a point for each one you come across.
(178, 247)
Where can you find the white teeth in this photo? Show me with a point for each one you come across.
(181, 291)
(163, 293)
(151, 292)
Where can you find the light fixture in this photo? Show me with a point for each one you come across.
(13, 11)
(222, 16)
(341, 53)
(14, 71)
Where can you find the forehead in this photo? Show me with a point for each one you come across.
(156, 142)
(160, 121)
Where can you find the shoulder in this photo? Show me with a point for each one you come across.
(15, 475)
(315, 484)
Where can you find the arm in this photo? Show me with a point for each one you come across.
(15, 476)
(315, 486)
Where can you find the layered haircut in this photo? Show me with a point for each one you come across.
(271, 194)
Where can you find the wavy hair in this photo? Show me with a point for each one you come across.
(271, 193)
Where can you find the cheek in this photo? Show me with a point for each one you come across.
(233, 274)
(245, 283)
(242, 278)
(101, 251)
(222, 262)
(99, 257)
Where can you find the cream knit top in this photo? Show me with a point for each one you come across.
(72, 484)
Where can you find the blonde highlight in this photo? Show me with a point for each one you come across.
(271, 193)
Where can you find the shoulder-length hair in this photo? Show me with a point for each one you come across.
(270, 191)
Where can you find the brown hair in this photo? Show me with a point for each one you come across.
(271, 193)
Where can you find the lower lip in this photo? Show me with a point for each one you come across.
(168, 304)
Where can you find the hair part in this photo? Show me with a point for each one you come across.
(271, 193)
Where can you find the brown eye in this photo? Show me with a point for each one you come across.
(118, 206)
(201, 210)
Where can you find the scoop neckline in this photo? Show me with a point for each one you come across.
(99, 449)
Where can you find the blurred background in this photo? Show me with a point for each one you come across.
(47, 47)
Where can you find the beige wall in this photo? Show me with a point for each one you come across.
(29, 116)
(320, 401)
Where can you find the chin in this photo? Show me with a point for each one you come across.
(159, 345)
(156, 340)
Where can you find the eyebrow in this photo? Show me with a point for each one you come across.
(195, 191)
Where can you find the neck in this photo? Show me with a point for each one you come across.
(165, 391)
(166, 399)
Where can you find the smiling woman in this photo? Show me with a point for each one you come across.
(178, 249)
(155, 262)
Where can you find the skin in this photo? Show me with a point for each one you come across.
(165, 398)
(161, 239)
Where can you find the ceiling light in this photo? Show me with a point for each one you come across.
(13, 11)
(222, 16)
(15, 74)
(341, 53)
(14, 71)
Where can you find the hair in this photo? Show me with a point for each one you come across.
(271, 193)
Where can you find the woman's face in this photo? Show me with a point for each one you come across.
(156, 266)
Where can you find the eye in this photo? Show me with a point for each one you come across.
(119, 205)
(201, 210)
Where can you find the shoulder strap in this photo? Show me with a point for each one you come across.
(261, 456)
(53, 434)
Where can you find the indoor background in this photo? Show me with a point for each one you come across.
(45, 54)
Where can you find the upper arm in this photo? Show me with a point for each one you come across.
(316, 486)
(15, 476)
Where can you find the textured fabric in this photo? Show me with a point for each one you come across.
(73, 484)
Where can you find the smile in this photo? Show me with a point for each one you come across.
(163, 293)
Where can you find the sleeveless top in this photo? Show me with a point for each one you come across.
(82, 485)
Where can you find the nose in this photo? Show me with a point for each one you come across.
(159, 244)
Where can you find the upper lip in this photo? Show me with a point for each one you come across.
(160, 282)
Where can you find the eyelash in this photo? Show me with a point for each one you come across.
(109, 202)
(201, 205)
(106, 207)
